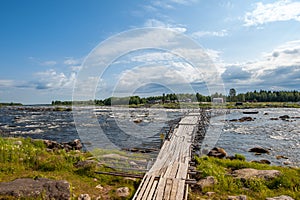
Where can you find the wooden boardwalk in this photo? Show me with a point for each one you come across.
(166, 179)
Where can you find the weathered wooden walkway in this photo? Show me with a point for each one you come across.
(167, 177)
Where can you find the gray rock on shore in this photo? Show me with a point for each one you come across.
(36, 188)
(249, 173)
(84, 197)
(206, 182)
(123, 192)
(282, 197)
(73, 145)
(240, 197)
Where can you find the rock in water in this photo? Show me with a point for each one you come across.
(259, 150)
(217, 152)
(246, 119)
(123, 192)
(284, 117)
(35, 188)
(282, 197)
(281, 157)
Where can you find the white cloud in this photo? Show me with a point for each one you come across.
(159, 24)
(169, 4)
(51, 79)
(7, 83)
(200, 34)
(49, 63)
(170, 76)
(72, 61)
(184, 2)
(43, 63)
(162, 4)
(153, 57)
(279, 68)
(282, 10)
(76, 68)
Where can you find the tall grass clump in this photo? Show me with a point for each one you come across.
(28, 158)
(255, 188)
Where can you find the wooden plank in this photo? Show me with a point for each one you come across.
(140, 187)
(186, 189)
(182, 171)
(174, 170)
(153, 189)
(149, 186)
(180, 190)
(168, 189)
(160, 189)
(144, 187)
(174, 189)
(169, 168)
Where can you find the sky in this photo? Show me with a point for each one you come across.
(46, 45)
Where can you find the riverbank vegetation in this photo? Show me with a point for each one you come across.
(28, 158)
(253, 99)
(225, 184)
(10, 104)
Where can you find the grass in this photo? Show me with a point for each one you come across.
(31, 159)
(286, 184)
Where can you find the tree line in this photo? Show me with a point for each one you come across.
(255, 96)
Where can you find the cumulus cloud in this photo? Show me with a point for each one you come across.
(51, 79)
(72, 61)
(7, 83)
(168, 75)
(169, 4)
(43, 63)
(284, 76)
(282, 10)
(279, 68)
(160, 24)
(200, 34)
(235, 73)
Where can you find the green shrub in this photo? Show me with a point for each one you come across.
(239, 157)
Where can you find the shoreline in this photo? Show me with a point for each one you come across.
(229, 105)
(78, 169)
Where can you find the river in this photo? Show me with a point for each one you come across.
(129, 128)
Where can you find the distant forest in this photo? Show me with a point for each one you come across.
(255, 96)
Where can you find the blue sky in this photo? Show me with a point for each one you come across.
(43, 44)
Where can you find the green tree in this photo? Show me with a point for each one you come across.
(232, 94)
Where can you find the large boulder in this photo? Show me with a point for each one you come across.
(52, 144)
(282, 197)
(217, 152)
(123, 192)
(249, 173)
(73, 145)
(206, 182)
(36, 188)
(84, 197)
(240, 197)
